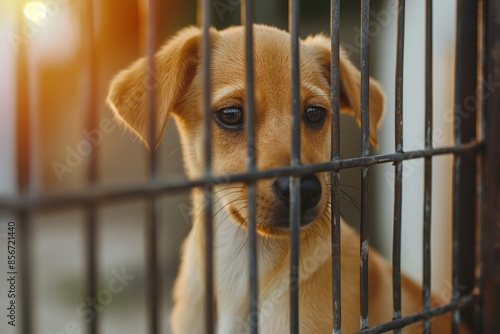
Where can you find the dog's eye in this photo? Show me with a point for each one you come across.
(315, 116)
(230, 118)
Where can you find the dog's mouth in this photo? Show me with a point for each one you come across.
(279, 225)
(273, 205)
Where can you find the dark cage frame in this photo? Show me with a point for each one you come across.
(476, 200)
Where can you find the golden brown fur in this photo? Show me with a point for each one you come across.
(178, 93)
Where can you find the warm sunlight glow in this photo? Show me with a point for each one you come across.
(35, 11)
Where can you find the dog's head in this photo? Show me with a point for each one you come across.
(179, 91)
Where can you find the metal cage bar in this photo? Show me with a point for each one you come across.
(481, 168)
(426, 256)
(151, 227)
(491, 276)
(398, 180)
(207, 135)
(248, 19)
(417, 317)
(335, 155)
(24, 142)
(118, 193)
(91, 110)
(365, 152)
(464, 186)
(295, 216)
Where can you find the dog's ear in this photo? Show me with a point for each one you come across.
(176, 66)
(350, 81)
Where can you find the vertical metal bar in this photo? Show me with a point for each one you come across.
(464, 185)
(335, 155)
(365, 151)
(426, 281)
(91, 262)
(398, 180)
(91, 111)
(455, 259)
(294, 7)
(207, 134)
(153, 279)
(152, 41)
(481, 182)
(24, 178)
(248, 19)
(24, 238)
(491, 274)
(151, 227)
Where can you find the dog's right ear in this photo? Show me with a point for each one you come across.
(176, 66)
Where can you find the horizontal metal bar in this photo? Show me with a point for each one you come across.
(156, 188)
(427, 314)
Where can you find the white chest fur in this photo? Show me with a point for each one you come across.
(231, 271)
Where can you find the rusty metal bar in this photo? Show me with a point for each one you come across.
(295, 215)
(151, 224)
(416, 317)
(91, 92)
(482, 171)
(491, 274)
(250, 120)
(335, 155)
(365, 151)
(24, 179)
(207, 158)
(398, 180)
(464, 168)
(117, 193)
(426, 256)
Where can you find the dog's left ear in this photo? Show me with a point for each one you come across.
(176, 66)
(350, 81)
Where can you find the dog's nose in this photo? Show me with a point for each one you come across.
(310, 191)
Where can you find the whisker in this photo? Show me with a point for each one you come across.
(213, 204)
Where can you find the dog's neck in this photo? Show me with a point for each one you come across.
(231, 258)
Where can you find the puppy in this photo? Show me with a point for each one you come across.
(179, 88)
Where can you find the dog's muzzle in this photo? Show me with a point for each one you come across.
(310, 195)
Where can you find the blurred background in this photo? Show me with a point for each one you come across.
(52, 33)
